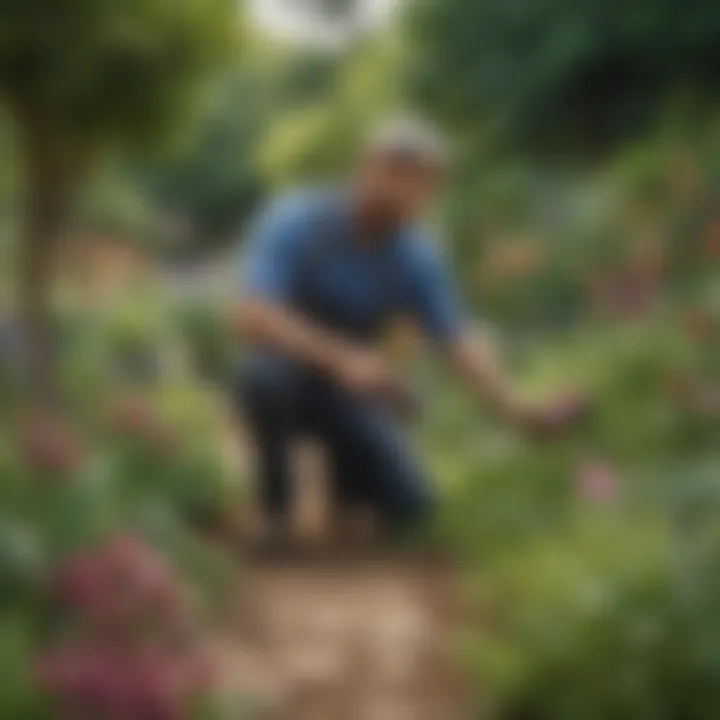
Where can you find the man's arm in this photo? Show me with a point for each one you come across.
(476, 360)
(263, 315)
(268, 323)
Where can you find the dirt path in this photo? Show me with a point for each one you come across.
(349, 639)
(363, 640)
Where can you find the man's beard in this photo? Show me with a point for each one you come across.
(380, 219)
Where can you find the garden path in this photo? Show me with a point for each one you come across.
(359, 640)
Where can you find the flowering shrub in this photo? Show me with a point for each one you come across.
(129, 644)
(114, 627)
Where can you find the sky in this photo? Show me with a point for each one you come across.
(288, 19)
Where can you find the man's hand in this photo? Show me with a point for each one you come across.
(548, 421)
(362, 371)
(356, 368)
(477, 361)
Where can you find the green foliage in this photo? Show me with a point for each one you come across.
(580, 626)
(572, 73)
(8, 162)
(22, 560)
(93, 68)
(212, 181)
(207, 339)
(321, 138)
(587, 606)
(609, 619)
(115, 207)
(19, 697)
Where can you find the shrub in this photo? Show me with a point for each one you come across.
(129, 644)
(207, 339)
(586, 626)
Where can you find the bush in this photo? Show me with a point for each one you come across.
(79, 517)
(207, 340)
(590, 625)
(597, 596)
(128, 644)
(154, 457)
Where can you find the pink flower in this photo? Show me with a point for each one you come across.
(125, 589)
(139, 419)
(49, 447)
(697, 395)
(708, 400)
(597, 482)
(125, 683)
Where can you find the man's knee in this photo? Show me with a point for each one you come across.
(401, 484)
(409, 499)
(377, 460)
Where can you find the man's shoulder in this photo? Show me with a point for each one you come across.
(289, 220)
(304, 204)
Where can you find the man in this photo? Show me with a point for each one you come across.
(324, 273)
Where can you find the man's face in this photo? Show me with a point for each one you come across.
(401, 188)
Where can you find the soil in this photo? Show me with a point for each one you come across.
(365, 639)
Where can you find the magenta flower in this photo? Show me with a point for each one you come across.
(49, 447)
(133, 653)
(597, 482)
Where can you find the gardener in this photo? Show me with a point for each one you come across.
(323, 274)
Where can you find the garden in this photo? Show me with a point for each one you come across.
(583, 223)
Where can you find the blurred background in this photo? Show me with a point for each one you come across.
(583, 221)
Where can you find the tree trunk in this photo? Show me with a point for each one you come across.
(48, 193)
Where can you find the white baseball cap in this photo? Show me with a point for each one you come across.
(413, 138)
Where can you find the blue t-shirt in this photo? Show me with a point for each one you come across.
(304, 252)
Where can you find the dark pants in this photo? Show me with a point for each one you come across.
(370, 461)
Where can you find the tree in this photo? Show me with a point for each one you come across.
(577, 73)
(78, 75)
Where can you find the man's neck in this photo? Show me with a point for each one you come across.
(374, 223)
